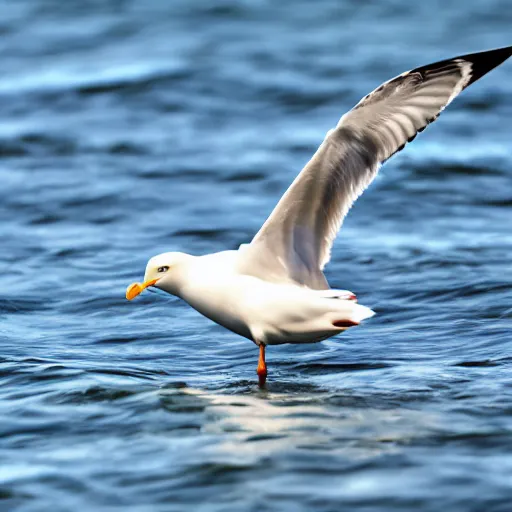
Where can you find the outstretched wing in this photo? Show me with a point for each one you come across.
(295, 242)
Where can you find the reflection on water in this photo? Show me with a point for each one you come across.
(279, 423)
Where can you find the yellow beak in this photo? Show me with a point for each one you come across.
(137, 288)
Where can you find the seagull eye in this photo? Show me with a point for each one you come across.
(163, 269)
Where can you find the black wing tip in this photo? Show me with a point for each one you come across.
(483, 62)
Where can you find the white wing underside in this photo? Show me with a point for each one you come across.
(295, 242)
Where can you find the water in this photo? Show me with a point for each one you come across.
(129, 128)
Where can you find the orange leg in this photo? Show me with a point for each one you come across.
(262, 367)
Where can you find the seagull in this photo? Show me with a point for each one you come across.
(273, 289)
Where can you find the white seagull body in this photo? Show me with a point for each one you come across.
(273, 290)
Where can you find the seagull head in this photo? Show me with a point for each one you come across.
(162, 271)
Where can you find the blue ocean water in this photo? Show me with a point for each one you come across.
(133, 127)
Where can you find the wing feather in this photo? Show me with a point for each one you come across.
(294, 244)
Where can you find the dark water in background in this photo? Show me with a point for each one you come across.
(128, 128)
